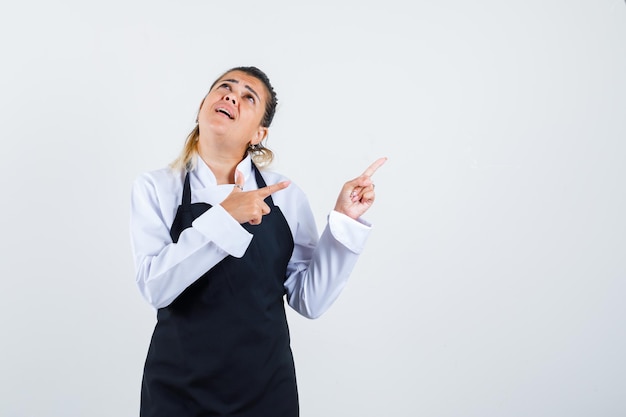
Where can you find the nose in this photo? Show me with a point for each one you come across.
(231, 98)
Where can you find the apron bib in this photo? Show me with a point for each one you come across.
(221, 348)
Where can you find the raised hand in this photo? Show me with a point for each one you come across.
(357, 196)
(248, 206)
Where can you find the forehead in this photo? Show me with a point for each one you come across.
(246, 81)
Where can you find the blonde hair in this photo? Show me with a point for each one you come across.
(261, 155)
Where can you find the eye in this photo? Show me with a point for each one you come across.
(225, 85)
(250, 98)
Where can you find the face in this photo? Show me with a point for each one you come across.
(233, 110)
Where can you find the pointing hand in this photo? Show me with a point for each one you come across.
(357, 196)
(248, 206)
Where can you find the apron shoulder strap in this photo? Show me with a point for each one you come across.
(186, 192)
(260, 182)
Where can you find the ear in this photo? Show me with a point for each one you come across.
(261, 133)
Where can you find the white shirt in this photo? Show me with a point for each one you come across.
(317, 271)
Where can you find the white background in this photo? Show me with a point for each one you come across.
(493, 283)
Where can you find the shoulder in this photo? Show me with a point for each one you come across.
(292, 200)
(158, 184)
(160, 178)
(272, 177)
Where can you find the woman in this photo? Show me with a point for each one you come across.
(217, 245)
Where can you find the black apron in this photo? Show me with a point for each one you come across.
(221, 348)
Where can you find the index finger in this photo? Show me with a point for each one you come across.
(372, 168)
(270, 189)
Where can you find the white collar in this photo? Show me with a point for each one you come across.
(206, 176)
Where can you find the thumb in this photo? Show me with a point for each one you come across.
(239, 181)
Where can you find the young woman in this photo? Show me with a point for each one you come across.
(217, 244)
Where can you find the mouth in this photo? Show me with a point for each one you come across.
(224, 111)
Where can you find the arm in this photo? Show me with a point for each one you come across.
(319, 270)
(165, 269)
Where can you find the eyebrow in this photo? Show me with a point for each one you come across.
(246, 86)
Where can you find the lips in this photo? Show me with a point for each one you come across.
(226, 110)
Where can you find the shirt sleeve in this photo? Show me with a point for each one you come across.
(319, 267)
(165, 269)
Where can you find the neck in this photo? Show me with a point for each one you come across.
(222, 163)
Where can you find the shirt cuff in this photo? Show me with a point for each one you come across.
(349, 232)
(223, 230)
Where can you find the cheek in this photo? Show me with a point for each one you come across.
(205, 110)
(257, 114)
(208, 101)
